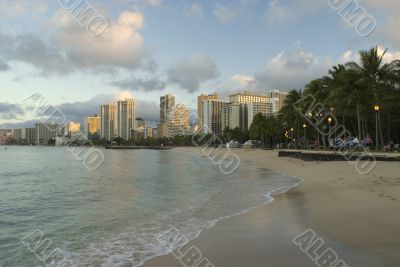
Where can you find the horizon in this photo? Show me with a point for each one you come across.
(48, 50)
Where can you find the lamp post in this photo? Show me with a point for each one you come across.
(291, 135)
(305, 138)
(377, 109)
(329, 135)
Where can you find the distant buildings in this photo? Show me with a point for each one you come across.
(45, 132)
(139, 131)
(212, 116)
(126, 118)
(162, 130)
(167, 102)
(230, 116)
(178, 120)
(280, 98)
(149, 133)
(71, 129)
(248, 97)
(200, 114)
(29, 136)
(108, 122)
(92, 128)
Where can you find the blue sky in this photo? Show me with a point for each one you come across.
(154, 47)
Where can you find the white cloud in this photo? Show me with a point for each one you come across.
(224, 13)
(353, 56)
(154, 2)
(195, 11)
(121, 45)
(70, 48)
(283, 12)
(292, 69)
(191, 73)
(244, 81)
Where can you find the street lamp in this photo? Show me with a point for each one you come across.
(305, 138)
(377, 108)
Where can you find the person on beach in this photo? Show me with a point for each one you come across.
(367, 142)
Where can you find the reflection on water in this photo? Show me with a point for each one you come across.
(113, 215)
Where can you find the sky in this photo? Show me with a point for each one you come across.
(151, 48)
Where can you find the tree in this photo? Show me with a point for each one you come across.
(376, 75)
(258, 128)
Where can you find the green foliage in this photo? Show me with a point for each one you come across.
(350, 91)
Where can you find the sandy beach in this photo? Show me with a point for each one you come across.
(358, 216)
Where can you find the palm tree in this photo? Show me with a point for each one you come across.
(258, 128)
(348, 89)
(376, 75)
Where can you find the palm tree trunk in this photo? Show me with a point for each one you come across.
(358, 120)
(389, 134)
(380, 129)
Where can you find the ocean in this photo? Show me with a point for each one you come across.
(113, 216)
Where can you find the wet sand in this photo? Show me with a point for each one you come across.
(358, 216)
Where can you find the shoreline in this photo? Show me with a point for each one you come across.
(359, 216)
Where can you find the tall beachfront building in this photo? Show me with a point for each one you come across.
(71, 128)
(108, 122)
(280, 96)
(248, 97)
(255, 108)
(200, 100)
(230, 116)
(212, 116)
(46, 131)
(250, 104)
(92, 127)
(126, 118)
(178, 120)
(166, 103)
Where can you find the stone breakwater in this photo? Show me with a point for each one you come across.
(333, 156)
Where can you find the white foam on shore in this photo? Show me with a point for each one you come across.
(137, 243)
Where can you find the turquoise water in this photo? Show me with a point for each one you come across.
(112, 216)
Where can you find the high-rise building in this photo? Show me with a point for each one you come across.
(6, 136)
(126, 118)
(108, 122)
(18, 135)
(255, 108)
(148, 133)
(200, 100)
(139, 132)
(140, 123)
(274, 106)
(248, 97)
(243, 117)
(178, 120)
(212, 116)
(92, 127)
(71, 128)
(46, 131)
(162, 130)
(166, 103)
(230, 116)
(281, 96)
(29, 136)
